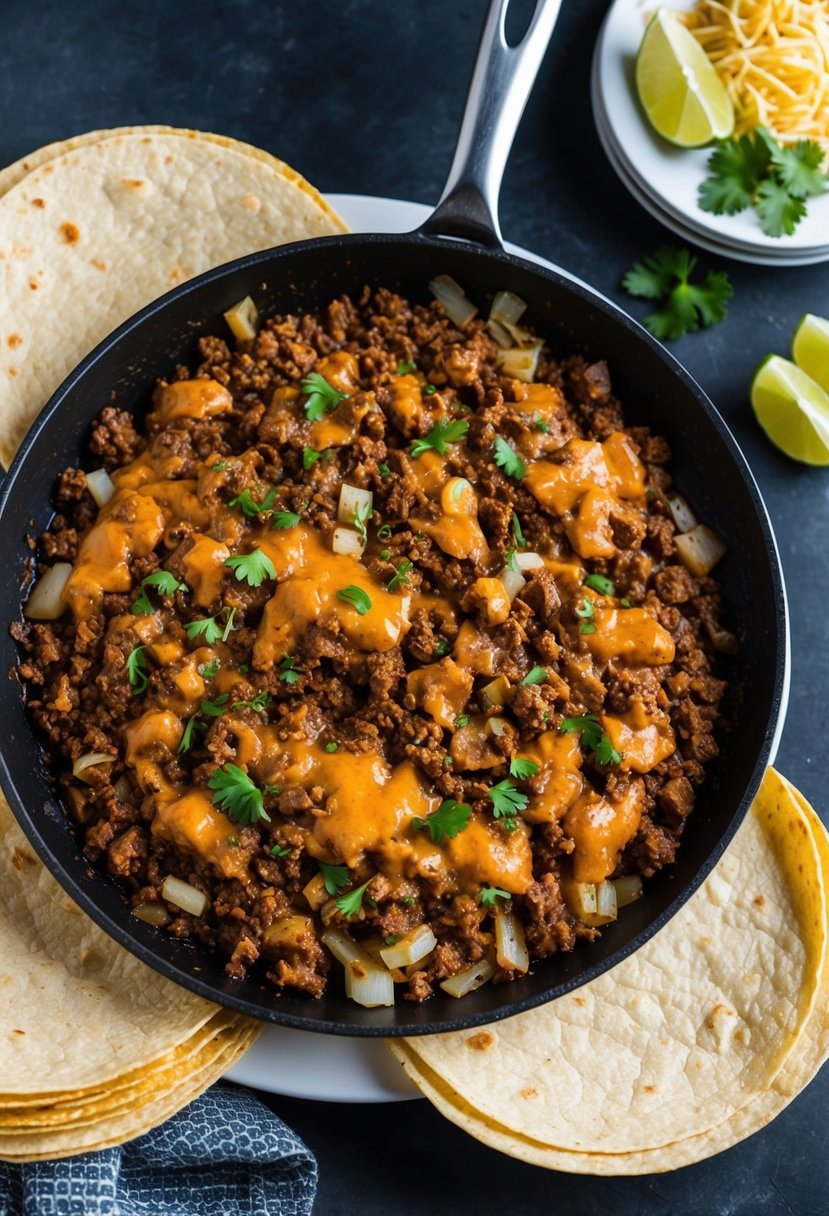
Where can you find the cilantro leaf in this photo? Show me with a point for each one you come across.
(279, 851)
(209, 669)
(137, 670)
(164, 582)
(211, 628)
(592, 736)
(442, 432)
(322, 396)
(285, 519)
(215, 709)
(257, 704)
(508, 459)
(236, 795)
(356, 597)
(600, 583)
(249, 507)
(522, 769)
(400, 578)
(798, 166)
(362, 514)
(191, 726)
(506, 799)
(488, 895)
(334, 877)
(461, 721)
(536, 675)
(665, 275)
(252, 568)
(351, 903)
(288, 672)
(448, 820)
(736, 167)
(406, 367)
(779, 211)
(517, 534)
(584, 608)
(310, 456)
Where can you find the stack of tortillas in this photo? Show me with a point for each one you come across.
(95, 227)
(96, 1047)
(692, 1044)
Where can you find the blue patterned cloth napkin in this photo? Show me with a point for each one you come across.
(224, 1155)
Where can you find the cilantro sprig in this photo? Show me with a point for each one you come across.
(591, 735)
(164, 583)
(137, 670)
(252, 568)
(443, 432)
(285, 519)
(289, 673)
(757, 171)
(351, 903)
(489, 895)
(448, 821)
(356, 597)
(506, 457)
(522, 769)
(400, 578)
(507, 800)
(236, 795)
(685, 306)
(536, 675)
(600, 583)
(322, 396)
(248, 505)
(211, 628)
(334, 878)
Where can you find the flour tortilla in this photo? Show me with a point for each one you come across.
(690, 1045)
(92, 234)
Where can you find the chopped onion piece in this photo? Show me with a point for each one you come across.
(183, 895)
(507, 308)
(520, 361)
(90, 760)
(152, 914)
(581, 896)
(496, 692)
(410, 949)
(243, 319)
(627, 889)
(347, 542)
(344, 948)
(287, 932)
(366, 982)
(722, 640)
(352, 501)
(604, 903)
(510, 946)
(529, 561)
(470, 978)
(501, 335)
(513, 581)
(682, 514)
(46, 602)
(700, 549)
(100, 486)
(497, 726)
(315, 892)
(450, 294)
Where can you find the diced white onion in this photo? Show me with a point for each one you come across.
(510, 946)
(89, 761)
(496, 692)
(470, 978)
(627, 889)
(410, 949)
(529, 561)
(501, 335)
(507, 308)
(451, 295)
(352, 500)
(46, 601)
(594, 903)
(183, 895)
(152, 914)
(347, 542)
(315, 892)
(367, 982)
(497, 726)
(723, 640)
(100, 486)
(700, 549)
(682, 514)
(520, 361)
(513, 581)
(344, 948)
(287, 932)
(243, 319)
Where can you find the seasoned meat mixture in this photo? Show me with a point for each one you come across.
(373, 642)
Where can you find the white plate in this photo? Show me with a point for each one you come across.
(672, 176)
(334, 1068)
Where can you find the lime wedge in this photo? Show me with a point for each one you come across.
(810, 348)
(792, 409)
(678, 86)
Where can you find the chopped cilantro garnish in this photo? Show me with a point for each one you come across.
(442, 432)
(536, 675)
(506, 799)
(285, 519)
(244, 669)
(351, 903)
(406, 367)
(279, 850)
(462, 720)
(508, 459)
(218, 466)
(429, 390)
(237, 796)
(137, 669)
(448, 820)
(592, 736)
(322, 397)
(625, 603)
(208, 670)
(210, 628)
(511, 562)
(248, 506)
(517, 534)
(488, 895)
(664, 276)
(257, 704)
(600, 583)
(215, 709)
(356, 597)
(587, 627)
(310, 456)
(384, 470)
(272, 789)
(448, 761)
(400, 578)
(407, 901)
(288, 672)
(252, 568)
(442, 647)
(233, 840)
(391, 939)
(384, 532)
(331, 748)
(362, 514)
(522, 769)
(540, 425)
(191, 726)
(334, 877)
(164, 582)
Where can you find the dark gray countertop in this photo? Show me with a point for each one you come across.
(365, 97)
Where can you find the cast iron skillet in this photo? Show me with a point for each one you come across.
(461, 239)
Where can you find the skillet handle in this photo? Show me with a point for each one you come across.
(502, 81)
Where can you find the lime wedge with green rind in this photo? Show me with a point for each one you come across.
(810, 348)
(792, 409)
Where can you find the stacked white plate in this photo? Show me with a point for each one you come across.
(665, 179)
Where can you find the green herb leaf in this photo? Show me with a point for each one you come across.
(587, 627)
(163, 582)
(541, 425)
(522, 770)
(779, 211)
(462, 720)
(384, 470)
(252, 568)
(429, 390)
(362, 514)
(208, 670)
(334, 877)
(488, 896)
(310, 456)
(518, 535)
(442, 433)
(257, 704)
(356, 597)
(288, 672)
(191, 726)
(285, 519)
(237, 796)
(406, 368)
(331, 747)
(798, 166)
(322, 396)
(442, 647)
(391, 939)
(278, 850)
(626, 603)
(233, 840)
(249, 507)
(351, 903)
(736, 168)
(600, 583)
(218, 466)
(590, 732)
(448, 820)
(215, 709)
(510, 561)
(537, 675)
(400, 578)
(207, 627)
(384, 532)
(137, 670)
(506, 799)
(665, 275)
(508, 459)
